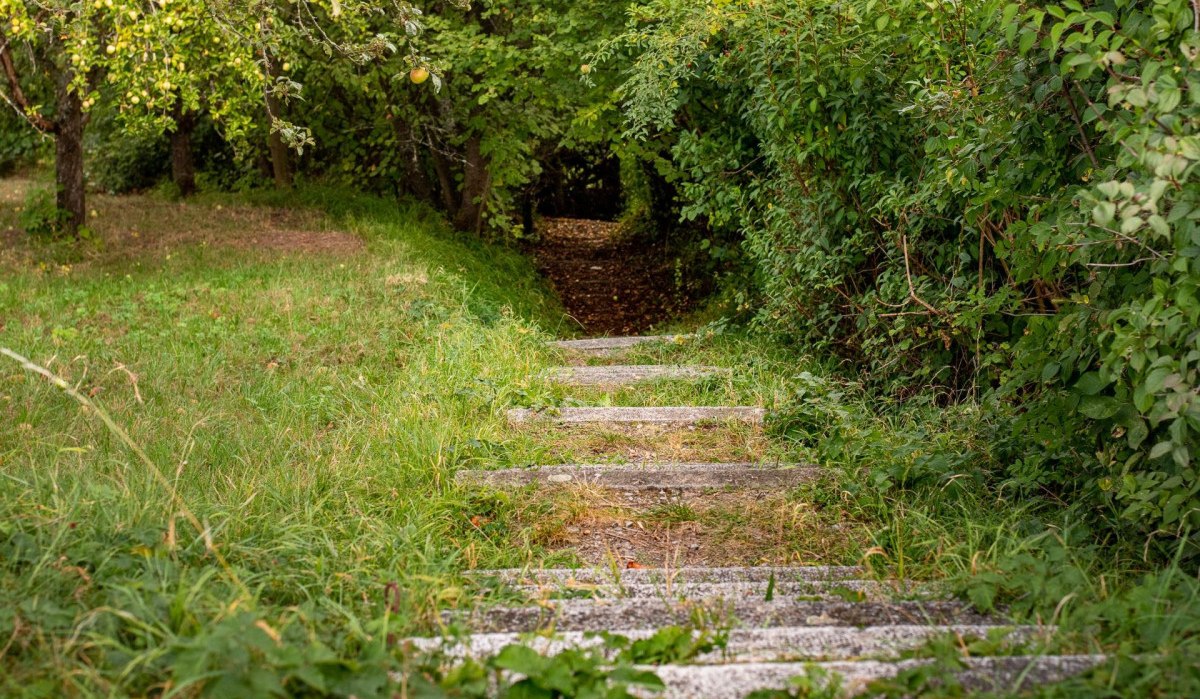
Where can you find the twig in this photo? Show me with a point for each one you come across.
(1087, 147)
(18, 100)
(1138, 261)
(133, 378)
(912, 291)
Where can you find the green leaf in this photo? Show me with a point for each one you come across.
(1161, 449)
(1099, 407)
(1010, 11)
(1137, 433)
(1027, 40)
(1090, 384)
(518, 658)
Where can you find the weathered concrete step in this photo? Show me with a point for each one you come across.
(681, 575)
(979, 674)
(748, 645)
(608, 344)
(814, 589)
(616, 375)
(666, 476)
(597, 615)
(644, 416)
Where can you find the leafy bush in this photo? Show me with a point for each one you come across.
(995, 199)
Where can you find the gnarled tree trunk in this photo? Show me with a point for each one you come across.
(281, 166)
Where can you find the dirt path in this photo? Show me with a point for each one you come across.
(611, 286)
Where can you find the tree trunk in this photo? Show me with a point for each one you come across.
(477, 180)
(281, 167)
(664, 206)
(183, 165)
(414, 181)
(527, 212)
(446, 188)
(68, 156)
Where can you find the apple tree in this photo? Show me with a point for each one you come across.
(158, 62)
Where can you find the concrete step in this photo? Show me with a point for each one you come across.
(597, 615)
(604, 345)
(824, 589)
(677, 576)
(644, 416)
(1001, 674)
(618, 375)
(768, 645)
(641, 477)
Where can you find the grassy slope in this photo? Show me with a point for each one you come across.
(311, 408)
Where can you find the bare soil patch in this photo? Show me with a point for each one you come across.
(135, 226)
(609, 284)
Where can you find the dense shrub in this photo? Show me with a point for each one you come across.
(995, 199)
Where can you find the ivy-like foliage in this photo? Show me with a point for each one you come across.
(996, 199)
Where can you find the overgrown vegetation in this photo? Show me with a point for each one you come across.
(957, 252)
(994, 200)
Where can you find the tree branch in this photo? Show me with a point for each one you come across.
(18, 99)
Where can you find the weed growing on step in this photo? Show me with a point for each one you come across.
(815, 683)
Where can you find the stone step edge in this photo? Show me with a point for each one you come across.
(680, 574)
(623, 374)
(727, 590)
(675, 415)
(980, 674)
(664, 476)
(597, 615)
(594, 344)
(779, 644)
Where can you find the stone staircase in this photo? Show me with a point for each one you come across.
(778, 622)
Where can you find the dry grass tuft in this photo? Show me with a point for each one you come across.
(718, 528)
